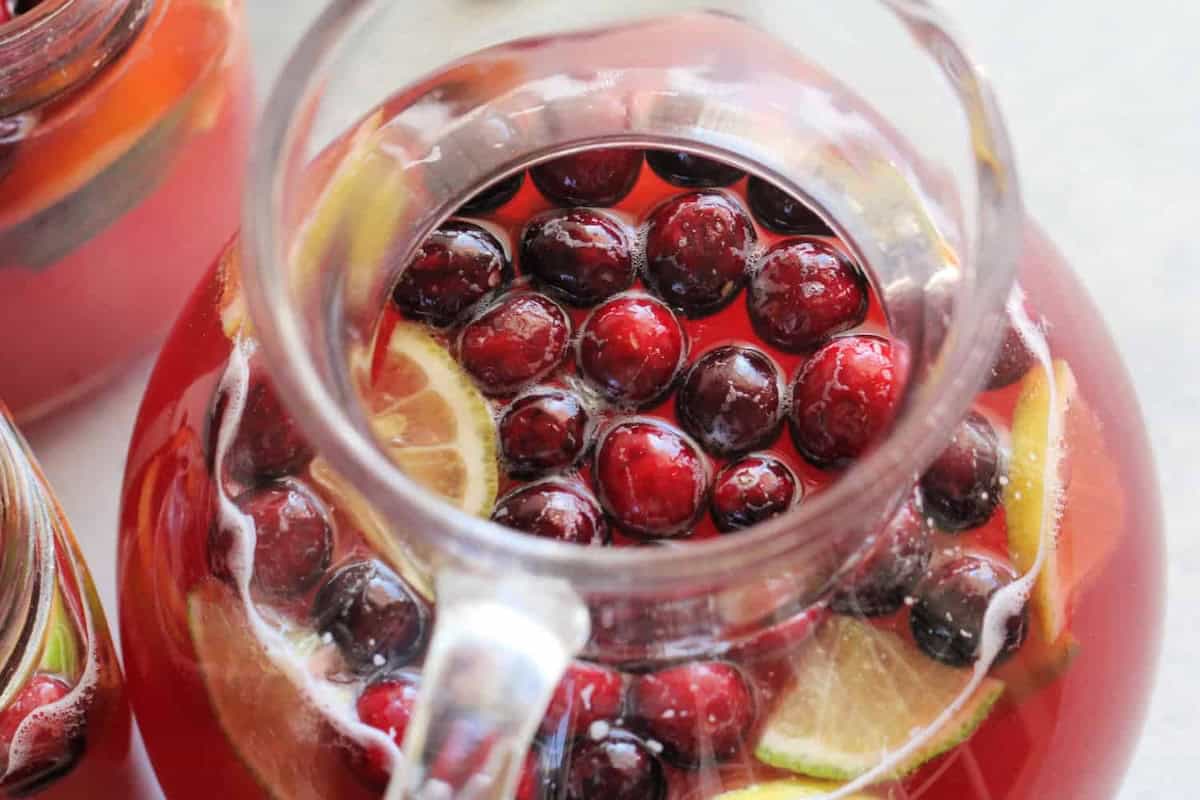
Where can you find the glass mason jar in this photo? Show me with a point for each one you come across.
(123, 134)
(823, 481)
(64, 719)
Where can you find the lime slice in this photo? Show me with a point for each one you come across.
(264, 701)
(436, 425)
(791, 789)
(861, 694)
(60, 654)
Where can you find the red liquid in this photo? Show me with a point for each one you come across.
(1068, 737)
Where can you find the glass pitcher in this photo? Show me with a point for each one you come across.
(657, 403)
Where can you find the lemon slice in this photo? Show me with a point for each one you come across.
(791, 789)
(435, 424)
(859, 695)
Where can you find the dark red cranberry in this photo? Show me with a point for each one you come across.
(386, 705)
(697, 249)
(805, 291)
(947, 618)
(692, 171)
(781, 212)
(553, 510)
(700, 712)
(630, 349)
(749, 491)
(844, 399)
(293, 540)
(268, 443)
(494, 196)
(456, 267)
(597, 177)
(1013, 359)
(962, 487)
(546, 430)
(617, 767)
(587, 693)
(515, 342)
(582, 256)
(373, 617)
(895, 561)
(650, 479)
(52, 747)
(731, 400)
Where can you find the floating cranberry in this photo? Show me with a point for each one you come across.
(293, 540)
(597, 177)
(731, 400)
(515, 342)
(542, 431)
(1013, 359)
(455, 268)
(386, 705)
(805, 291)
(751, 490)
(697, 249)
(373, 617)
(630, 349)
(587, 693)
(844, 399)
(962, 487)
(650, 479)
(692, 171)
(896, 561)
(494, 196)
(554, 510)
(947, 619)
(268, 443)
(617, 767)
(52, 746)
(701, 712)
(582, 256)
(781, 212)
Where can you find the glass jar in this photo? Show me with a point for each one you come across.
(505, 261)
(64, 719)
(123, 133)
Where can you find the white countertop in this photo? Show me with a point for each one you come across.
(1103, 100)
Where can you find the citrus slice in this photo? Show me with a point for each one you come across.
(861, 694)
(263, 700)
(435, 424)
(791, 789)
(60, 653)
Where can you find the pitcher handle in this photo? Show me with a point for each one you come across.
(499, 647)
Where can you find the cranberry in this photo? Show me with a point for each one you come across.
(455, 268)
(650, 478)
(697, 249)
(587, 693)
(374, 618)
(731, 400)
(596, 177)
(844, 399)
(781, 212)
(749, 491)
(962, 487)
(494, 196)
(268, 443)
(896, 560)
(947, 619)
(293, 539)
(631, 348)
(700, 712)
(542, 431)
(692, 171)
(553, 510)
(617, 767)
(386, 705)
(1013, 359)
(515, 342)
(52, 747)
(805, 291)
(581, 255)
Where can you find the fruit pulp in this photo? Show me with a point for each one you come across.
(210, 445)
(110, 208)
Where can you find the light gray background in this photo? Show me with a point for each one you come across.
(1103, 100)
